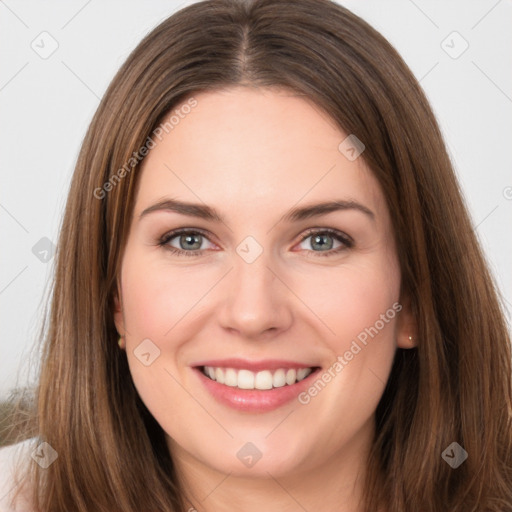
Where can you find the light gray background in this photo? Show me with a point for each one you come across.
(46, 105)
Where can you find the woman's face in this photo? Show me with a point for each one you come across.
(261, 249)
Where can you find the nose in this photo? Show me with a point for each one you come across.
(257, 304)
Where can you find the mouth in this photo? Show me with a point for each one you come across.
(262, 380)
(254, 386)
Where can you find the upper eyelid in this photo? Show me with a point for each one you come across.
(166, 237)
(329, 231)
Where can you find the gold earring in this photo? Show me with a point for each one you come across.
(120, 342)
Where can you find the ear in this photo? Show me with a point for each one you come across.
(118, 311)
(406, 326)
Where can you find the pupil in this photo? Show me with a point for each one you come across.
(322, 242)
(190, 241)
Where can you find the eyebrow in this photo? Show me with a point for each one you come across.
(205, 212)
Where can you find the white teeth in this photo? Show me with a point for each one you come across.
(219, 375)
(230, 377)
(263, 380)
(279, 379)
(245, 379)
(302, 373)
(291, 377)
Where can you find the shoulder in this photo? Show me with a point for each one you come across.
(12, 458)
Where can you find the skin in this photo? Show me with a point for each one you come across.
(252, 155)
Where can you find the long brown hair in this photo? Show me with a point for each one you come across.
(454, 387)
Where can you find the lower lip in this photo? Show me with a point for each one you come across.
(254, 400)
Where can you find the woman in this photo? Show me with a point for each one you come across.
(268, 292)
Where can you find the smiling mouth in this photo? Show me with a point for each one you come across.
(261, 380)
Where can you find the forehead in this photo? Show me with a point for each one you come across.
(271, 146)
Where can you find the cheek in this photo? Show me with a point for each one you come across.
(164, 304)
(360, 306)
(354, 299)
(162, 297)
(158, 305)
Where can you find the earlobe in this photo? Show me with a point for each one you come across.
(406, 341)
(406, 331)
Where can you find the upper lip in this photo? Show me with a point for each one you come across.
(255, 366)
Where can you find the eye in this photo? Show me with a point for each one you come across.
(188, 242)
(325, 241)
(185, 242)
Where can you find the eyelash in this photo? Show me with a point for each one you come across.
(337, 235)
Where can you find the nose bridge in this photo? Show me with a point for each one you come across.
(253, 278)
(255, 300)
